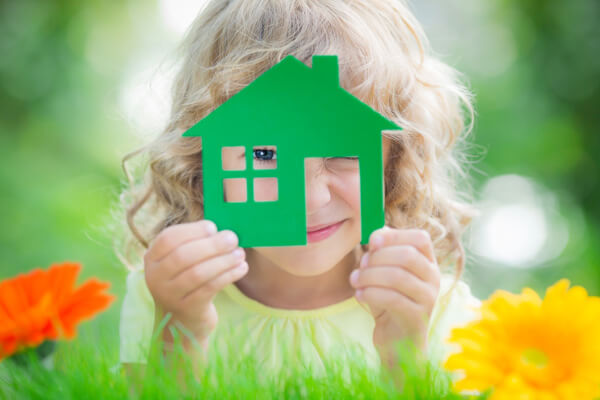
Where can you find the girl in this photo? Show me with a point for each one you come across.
(332, 295)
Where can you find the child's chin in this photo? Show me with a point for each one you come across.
(314, 264)
(307, 270)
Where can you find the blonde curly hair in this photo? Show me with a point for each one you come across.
(384, 60)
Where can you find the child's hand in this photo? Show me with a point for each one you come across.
(399, 281)
(186, 265)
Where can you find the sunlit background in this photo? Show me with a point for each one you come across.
(82, 83)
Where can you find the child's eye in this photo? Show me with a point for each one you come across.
(265, 155)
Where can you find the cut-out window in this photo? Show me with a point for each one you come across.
(234, 158)
(264, 157)
(235, 190)
(266, 189)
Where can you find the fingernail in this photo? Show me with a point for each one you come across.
(377, 241)
(238, 253)
(359, 294)
(211, 228)
(354, 277)
(230, 238)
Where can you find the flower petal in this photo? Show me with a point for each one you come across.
(85, 302)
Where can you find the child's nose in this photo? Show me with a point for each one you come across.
(317, 185)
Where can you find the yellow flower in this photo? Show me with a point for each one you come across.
(526, 348)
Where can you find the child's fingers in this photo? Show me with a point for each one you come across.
(419, 238)
(172, 237)
(384, 299)
(206, 292)
(202, 274)
(407, 257)
(195, 252)
(398, 279)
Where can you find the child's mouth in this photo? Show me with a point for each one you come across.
(323, 233)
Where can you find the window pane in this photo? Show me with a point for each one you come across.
(265, 189)
(235, 190)
(234, 158)
(264, 157)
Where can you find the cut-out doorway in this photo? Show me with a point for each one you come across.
(346, 172)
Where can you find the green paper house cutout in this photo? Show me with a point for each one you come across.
(303, 112)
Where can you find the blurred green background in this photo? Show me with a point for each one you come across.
(83, 83)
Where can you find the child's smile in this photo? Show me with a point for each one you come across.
(317, 233)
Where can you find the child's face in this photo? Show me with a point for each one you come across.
(332, 188)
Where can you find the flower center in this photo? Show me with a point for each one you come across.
(535, 357)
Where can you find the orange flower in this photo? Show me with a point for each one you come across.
(44, 305)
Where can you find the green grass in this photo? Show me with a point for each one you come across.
(86, 369)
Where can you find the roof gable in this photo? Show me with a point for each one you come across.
(287, 94)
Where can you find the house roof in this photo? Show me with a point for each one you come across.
(307, 103)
